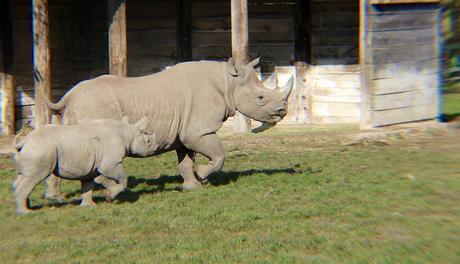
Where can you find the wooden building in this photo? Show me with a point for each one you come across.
(374, 62)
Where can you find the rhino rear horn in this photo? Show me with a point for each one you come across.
(287, 88)
(271, 82)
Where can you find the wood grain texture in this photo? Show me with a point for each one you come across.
(404, 99)
(42, 59)
(118, 64)
(404, 82)
(402, 115)
(7, 92)
(239, 11)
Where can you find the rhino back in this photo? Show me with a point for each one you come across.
(180, 103)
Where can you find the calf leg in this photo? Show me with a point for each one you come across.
(87, 192)
(115, 172)
(210, 146)
(23, 186)
(185, 159)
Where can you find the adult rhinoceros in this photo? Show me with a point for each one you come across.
(185, 105)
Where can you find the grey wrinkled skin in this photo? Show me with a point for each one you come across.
(79, 152)
(185, 105)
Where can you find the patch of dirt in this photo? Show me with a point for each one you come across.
(285, 138)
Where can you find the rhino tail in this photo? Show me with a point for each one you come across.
(55, 107)
(18, 145)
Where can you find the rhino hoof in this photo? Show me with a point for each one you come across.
(55, 198)
(86, 203)
(191, 186)
(23, 211)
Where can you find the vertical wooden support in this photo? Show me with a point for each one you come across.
(117, 37)
(184, 33)
(303, 31)
(41, 50)
(302, 94)
(6, 71)
(366, 93)
(240, 43)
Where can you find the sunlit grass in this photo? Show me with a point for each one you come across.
(279, 203)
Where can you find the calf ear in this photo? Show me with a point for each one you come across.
(141, 124)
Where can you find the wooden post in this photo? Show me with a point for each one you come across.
(366, 94)
(303, 31)
(41, 50)
(240, 43)
(117, 37)
(6, 71)
(184, 35)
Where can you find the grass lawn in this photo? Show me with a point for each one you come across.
(451, 106)
(285, 196)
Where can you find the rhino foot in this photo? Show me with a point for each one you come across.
(111, 193)
(87, 203)
(191, 186)
(55, 198)
(23, 211)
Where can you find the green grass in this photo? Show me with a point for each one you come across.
(451, 106)
(281, 203)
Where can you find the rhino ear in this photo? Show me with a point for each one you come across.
(231, 68)
(253, 63)
(141, 124)
(124, 119)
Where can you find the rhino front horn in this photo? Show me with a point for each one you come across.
(287, 88)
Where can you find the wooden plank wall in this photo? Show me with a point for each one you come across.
(78, 37)
(335, 28)
(334, 93)
(402, 62)
(271, 31)
(152, 37)
(78, 50)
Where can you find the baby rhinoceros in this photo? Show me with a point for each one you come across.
(80, 152)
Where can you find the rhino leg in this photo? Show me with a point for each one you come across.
(210, 146)
(23, 186)
(185, 159)
(117, 173)
(87, 192)
(104, 181)
(52, 190)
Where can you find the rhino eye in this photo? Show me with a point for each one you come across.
(260, 97)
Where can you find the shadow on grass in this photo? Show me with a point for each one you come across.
(450, 117)
(155, 185)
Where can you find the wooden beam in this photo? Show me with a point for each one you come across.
(117, 38)
(184, 31)
(42, 58)
(366, 71)
(6, 71)
(240, 43)
(303, 31)
(373, 2)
